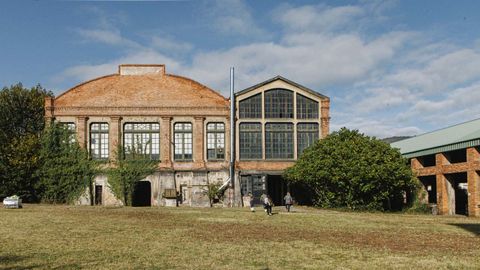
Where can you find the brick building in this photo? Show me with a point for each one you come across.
(447, 163)
(186, 127)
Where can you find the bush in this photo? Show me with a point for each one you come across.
(349, 169)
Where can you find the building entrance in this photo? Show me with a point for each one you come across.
(142, 194)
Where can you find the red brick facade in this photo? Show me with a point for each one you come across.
(145, 93)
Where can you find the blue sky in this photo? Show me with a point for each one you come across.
(390, 67)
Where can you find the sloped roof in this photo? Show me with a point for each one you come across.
(140, 90)
(447, 139)
(278, 77)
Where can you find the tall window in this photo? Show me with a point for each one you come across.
(251, 107)
(307, 135)
(278, 103)
(142, 138)
(250, 141)
(279, 141)
(215, 141)
(306, 108)
(71, 128)
(183, 141)
(99, 140)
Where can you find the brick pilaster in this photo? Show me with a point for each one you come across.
(442, 195)
(198, 139)
(114, 136)
(166, 140)
(325, 118)
(473, 182)
(82, 130)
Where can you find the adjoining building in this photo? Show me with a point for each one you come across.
(447, 162)
(186, 127)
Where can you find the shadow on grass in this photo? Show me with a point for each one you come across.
(470, 227)
(13, 262)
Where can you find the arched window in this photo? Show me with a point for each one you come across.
(183, 141)
(250, 141)
(279, 141)
(278, 103)
(99, 140)
(251, 107)
(306, 108)
(215, 141)
(142, 138)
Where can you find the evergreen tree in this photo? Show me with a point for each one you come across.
(349, 169)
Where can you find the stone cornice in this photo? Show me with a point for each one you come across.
(140, 111)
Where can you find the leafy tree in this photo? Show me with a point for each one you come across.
(213, 192)
(349, 169)
(127, 171)
(66, 170)
(21, 123)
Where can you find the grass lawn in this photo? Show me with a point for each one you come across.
(71, 237)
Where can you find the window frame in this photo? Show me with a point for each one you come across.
(150, 132)
(101, 140)
(306, 131)
(251, 107)
(183, 156)
(249, 131)
(273, 104)
(216, 132)
(271, 144)
(310, 108)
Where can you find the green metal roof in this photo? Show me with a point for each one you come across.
(448, 139)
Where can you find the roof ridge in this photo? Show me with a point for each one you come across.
(437, 130)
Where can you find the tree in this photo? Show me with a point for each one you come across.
(66, 170)
(349, 169)
(21, 124)
(129, 168)
(213, 192)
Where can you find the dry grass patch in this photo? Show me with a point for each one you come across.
(66, 237)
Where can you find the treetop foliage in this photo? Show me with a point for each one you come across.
(349, 169)
(21, 123)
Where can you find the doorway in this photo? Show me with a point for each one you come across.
(98, 194)
(142, 194)
(457, 190)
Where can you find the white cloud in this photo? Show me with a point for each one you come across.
(170, 45)
(318, 18)
(394, 83)
(233, 18)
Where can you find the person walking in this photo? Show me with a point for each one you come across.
(288, 201)
(252, 207)
(267, 202)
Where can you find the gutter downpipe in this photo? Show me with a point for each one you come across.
(232, 133)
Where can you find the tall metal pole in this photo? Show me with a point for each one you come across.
(232, 132)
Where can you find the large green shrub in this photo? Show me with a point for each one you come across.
(66, 172)
(350, 170)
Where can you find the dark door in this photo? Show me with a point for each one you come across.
(142, 194)
(461, 200)
(98, 194)
(277, 188)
